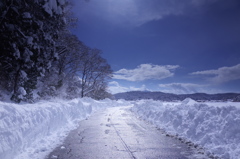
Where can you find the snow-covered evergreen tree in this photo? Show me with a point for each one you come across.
(28, 31)
(38, 54)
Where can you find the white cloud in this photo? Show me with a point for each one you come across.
(221, 75)
(186, 88)
(142, 88)
(176, 88)
(114, 87)
(134, 12)
(146, 72)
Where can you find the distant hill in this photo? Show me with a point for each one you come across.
(137, 95)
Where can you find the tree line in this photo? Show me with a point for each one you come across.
(41, 59)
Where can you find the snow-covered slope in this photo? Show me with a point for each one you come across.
(30, 131)
(212, 125)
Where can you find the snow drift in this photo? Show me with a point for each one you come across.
(214, 126)
(32, 130)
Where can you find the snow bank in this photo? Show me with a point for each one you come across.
(33, 130)
(214, 126)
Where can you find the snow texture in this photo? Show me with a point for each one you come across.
(211, 125)
(32, 130)
(26, 15)
(61, 2)
(51, 6)
(22, 92)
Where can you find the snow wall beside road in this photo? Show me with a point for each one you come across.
(34, 129)
(215, 126)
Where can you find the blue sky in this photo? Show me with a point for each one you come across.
(173, 46)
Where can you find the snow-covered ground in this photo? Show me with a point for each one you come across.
(30, 131)
(214, 126)
(33, 130)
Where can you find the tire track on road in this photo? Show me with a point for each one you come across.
(122, 141)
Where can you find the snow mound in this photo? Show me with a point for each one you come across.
(237, 99)
(33, 130)
(189, 102)
(215, 128)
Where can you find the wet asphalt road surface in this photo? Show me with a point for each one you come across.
(117, 133)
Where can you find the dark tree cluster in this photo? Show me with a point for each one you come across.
(40, 58)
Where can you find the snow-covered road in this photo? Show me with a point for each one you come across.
(117, 133)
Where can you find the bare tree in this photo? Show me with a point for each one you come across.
(94, 73)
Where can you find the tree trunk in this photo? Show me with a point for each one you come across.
(16, 79)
